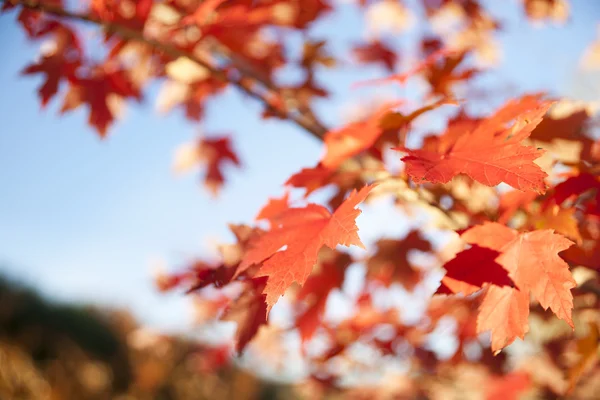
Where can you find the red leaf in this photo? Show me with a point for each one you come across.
(55, 68)
(216, 152)
(490, 153)
(508, 387)
(376, 52)
(94, 91)
(471, 269)
(303, 231)
(532, 262)
(249, 311)
(390, 262)
(573, 187)
(316, 290)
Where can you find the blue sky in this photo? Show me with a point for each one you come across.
(83, 218)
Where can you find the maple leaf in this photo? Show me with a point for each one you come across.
(587, 350)
(249, 310)
(315, 53)
(95, 91)
(356, 137)
(274, 208)
(442, 77)
(198, 276)
(420, 67)
(342, 179)
(316, 291)
(490, 153)
(562, 220)
(529, 259)
(216, 152)
(504, 312)
(508, 387)
(56, 68)
(303, 231)
(470, 269)
(213, 153)
(574, 187)
(390, 262)
(311, 178)
(532, 262)
(375, 52)
(58, 64)
(512, 201)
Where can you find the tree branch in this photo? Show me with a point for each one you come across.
(302, 117)
(304, 121)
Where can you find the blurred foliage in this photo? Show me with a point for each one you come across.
(61, 351)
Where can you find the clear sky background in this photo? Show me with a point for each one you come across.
(85, 219)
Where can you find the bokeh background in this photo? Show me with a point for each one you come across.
(90, 221)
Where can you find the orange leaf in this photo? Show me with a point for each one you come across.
(354, 138)
(316, 290)
(508, 387)
(489, 153)
(587, 350)
(504, 312)
(303, 231)
(532, 262)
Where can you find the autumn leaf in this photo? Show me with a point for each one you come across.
(562, 220)
(418, 68)
(532, 262)
(489, 153)
(345, 142)
(376, 52)
(508, 387)
(249, 310)
(390, 262)
(316, 291)
(214, 153)
(470, 269)
(303, 231)
(511, 202)
(96, 92)
(274, 208)
(587, 351)
(529, 259)
(503, 312)
(573, 187)
(311, 179)
(380, 128)
(343, 180)
(58, 64)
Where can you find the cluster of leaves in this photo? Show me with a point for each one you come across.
(520, 187)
